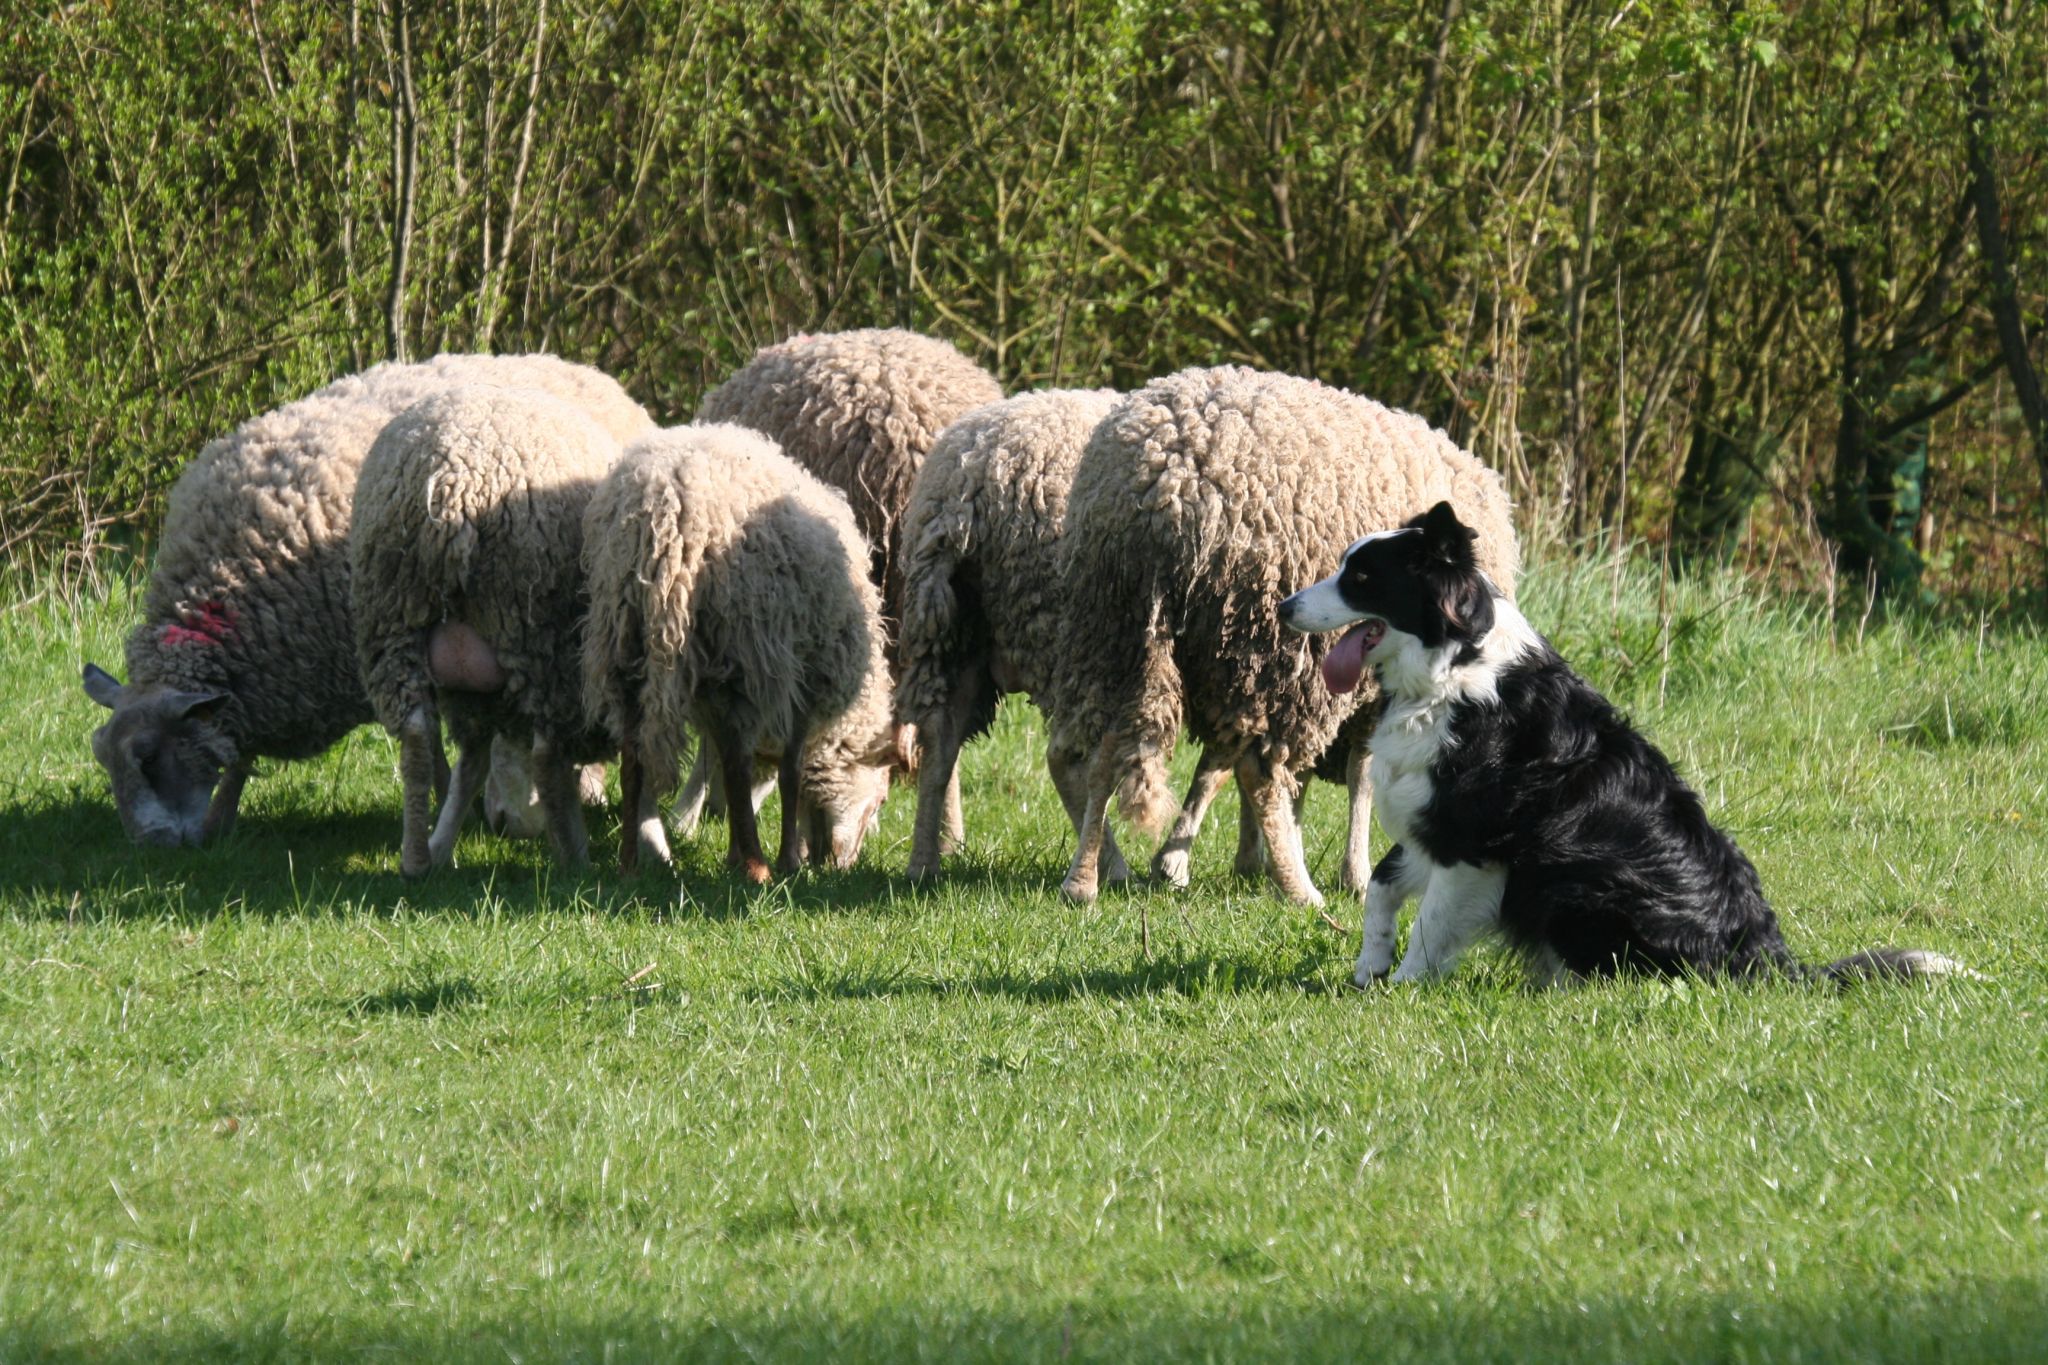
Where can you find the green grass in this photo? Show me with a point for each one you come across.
(268, 1101)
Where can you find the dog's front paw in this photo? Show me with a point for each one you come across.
(1366, 978)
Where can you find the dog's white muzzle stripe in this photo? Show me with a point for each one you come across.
(1319, 607)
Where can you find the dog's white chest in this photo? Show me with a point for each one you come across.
(1405, 747)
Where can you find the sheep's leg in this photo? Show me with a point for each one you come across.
(1072, 786)
(1301, 819)
(735, 762)
(640, 829)
(938, 827)
(690, 806)
(472, 765)
(953, 838)
(1250, 862)
(789, 858)
(1271, 795)
(712, 799)
(554, 778)
(1357, 869)
(1092, 820)
(226, 803)
(1170, 863)
(441, 771)
(419, 735)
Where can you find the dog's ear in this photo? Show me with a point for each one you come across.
(1467, 604)
(1445, 539)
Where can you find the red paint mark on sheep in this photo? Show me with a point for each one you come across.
(210, 623)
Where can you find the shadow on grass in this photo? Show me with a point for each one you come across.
(1191, 975)
(1965, 1321)
(426, 997)
(64, 852)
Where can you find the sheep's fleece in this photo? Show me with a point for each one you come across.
(988, 510)
(725, 578)
(1201, 501)
(858, 409)
(249, 602)
(983, 608)
(470, 508)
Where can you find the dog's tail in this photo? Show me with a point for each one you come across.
(1890, 964)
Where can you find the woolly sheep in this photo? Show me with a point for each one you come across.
(467, 562)
(729, 591)
(246, 648)
(982, 602)
(859, 410)
(1201, 500)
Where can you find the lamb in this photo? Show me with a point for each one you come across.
(982, 601)
(859, 410)
(1200, 501)
(246, 649)
(467, 562)
(729, 591)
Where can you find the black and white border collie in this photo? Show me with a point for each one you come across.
(1519, 799)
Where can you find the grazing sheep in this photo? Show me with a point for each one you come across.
(729, 591)
(467, 562)
(982, 608)
(858, 409)
(1201, 500)
(246, 648)
(512, 807)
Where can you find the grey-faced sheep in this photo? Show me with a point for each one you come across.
(246, 648)
(1203, 499)
(729, 592)
(983, 613)
(467, 563)
(860, 410)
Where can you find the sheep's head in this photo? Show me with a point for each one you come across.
(845, 793)
(164, 749)
(512, 806)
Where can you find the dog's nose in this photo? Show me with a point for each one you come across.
(1287, 609)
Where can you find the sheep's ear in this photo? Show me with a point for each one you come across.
(102, 686)
(195, 705)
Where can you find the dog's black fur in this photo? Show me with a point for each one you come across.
(1611, 861)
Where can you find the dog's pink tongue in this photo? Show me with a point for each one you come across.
(1345, 662)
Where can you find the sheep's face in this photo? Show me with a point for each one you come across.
(512, 806)
(163, 749)
(511, 803)
(849, 814)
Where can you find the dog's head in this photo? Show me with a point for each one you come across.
(1412, 592)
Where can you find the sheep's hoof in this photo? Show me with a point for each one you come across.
(753, 869)
(1171, 867)
(923, 870)
(413, 869)
(1080, 890)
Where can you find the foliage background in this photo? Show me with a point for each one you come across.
(1687, 271)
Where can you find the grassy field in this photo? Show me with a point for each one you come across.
(267, 1101)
